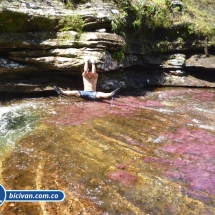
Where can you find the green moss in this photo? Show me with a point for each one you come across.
(17, 22)
(73, 23)
(120, 56)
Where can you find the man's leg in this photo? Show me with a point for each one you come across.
(100, 95)
(67, 92)
(71, 93)
(107, 95)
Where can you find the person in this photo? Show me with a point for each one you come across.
(90, 78)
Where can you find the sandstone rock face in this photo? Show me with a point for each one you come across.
(36, 49)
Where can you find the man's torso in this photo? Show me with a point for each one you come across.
(90, 83)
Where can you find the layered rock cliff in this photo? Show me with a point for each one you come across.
(43, 43)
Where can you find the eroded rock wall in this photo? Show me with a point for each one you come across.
(38, 50)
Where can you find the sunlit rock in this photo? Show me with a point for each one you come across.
(37, 39)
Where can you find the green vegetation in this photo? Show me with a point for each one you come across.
(73, 23)
(151, 15)
(193, 19)
(158, 46)
(198, 20)
(71, 4)
(118, 22)
(16, 22)
(120, 56)
(146, 22)
(159, 26)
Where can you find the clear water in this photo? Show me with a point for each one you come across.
(17, 120)
(148, 154)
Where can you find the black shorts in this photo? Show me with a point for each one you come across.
(89, 95)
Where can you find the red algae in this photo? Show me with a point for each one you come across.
(80, 112)
(121, 166)
(189, 152)
(195, 95)
(131, 141)
(151, 104)
(76, 113)
(200, 95)
(173, 163)
(198, 142)
(124, 177)
(165, 142)
(139, 103)
(169, 94)
(196, 151)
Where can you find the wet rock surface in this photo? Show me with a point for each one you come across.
(147, 153)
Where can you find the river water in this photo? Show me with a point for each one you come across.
(146, 152)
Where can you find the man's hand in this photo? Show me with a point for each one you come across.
(93, 60)
(86, 59)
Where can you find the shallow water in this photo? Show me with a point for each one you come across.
(152, 153)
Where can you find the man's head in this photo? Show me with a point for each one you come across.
(89, 72)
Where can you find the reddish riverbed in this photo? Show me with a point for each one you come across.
(149, 153)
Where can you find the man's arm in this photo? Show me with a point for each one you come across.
(93, 67)
(86, 66)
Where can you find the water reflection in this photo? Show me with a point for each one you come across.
(151, 154)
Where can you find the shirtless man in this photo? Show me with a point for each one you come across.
(90, 78)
